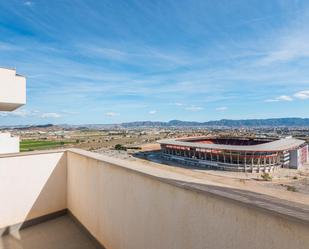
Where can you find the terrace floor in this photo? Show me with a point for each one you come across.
(58, 233)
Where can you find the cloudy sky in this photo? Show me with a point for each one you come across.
(89, 61)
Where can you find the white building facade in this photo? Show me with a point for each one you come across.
(12, 96)
(8, 143)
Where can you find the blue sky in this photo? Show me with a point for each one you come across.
(114, 61)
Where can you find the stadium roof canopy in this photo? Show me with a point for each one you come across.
(277, 145)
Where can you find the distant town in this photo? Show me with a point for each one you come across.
(135, 134)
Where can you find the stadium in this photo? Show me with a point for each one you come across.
(237, 154)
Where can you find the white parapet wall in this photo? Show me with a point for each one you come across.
(128, 205)
(31, 185)
(12, 90)
(8, 144)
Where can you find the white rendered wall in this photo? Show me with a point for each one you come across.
(12, 90)
(31, 185)
(8, 144)
(127, 209)
(126, 205)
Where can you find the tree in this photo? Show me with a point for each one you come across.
(119, 147)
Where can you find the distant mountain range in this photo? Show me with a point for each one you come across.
(272, 122)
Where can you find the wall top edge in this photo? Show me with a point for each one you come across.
(279, 207)
(30, 153)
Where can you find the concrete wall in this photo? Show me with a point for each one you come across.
(126, 206)
(126, 209)
(31, 185)
(298, 157)
(8, 144)
(12, 90)
(294, 160)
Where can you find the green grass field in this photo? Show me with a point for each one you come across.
(30, 145)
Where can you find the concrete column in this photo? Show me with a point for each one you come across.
(259, 165)
(245, 161)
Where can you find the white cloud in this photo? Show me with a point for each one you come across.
(280, 98)
(51, 115)
(290, 43)
(271, 100)
(109, 53)
(8, 47)
(137, 55)
(69, 112)
(19, 113)
(111, 114)
(179, 104)
(302, 94)
(152, 112)
(221, 109)
(284, 98)
(194, 108)
(28, 3)
(24, 113)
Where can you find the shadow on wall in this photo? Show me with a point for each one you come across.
(31, 186)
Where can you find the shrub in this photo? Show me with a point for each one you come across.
(266, 176)
(120, 147)
(291, 188)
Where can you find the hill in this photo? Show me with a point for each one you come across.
(273, 122)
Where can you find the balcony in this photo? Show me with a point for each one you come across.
(12, 90)
(79, 199)
(61, 232)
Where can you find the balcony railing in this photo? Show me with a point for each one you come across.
(125, 204)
